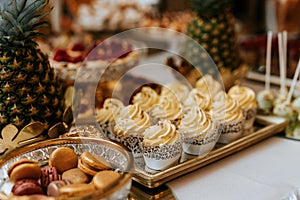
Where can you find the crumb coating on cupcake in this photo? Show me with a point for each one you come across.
(194, 122)
(163, 133)
(131, 120)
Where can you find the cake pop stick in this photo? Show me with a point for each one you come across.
(268, 61)
(284, 44)
(265, 98)
(281, 65)
(289, 98)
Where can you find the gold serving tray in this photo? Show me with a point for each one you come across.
(265, 126)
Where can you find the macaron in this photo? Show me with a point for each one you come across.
(76, 175)
(23, 169)
(105, 179)
(91, 163)
(77, 189)
(26, 187)
(49, 174)
(63, 159)
(54, 186)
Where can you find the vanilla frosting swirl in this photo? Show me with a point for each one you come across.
(226, 108)
(168, 108)
(177, 88)
(198, 98)
(146, 98)
(194, 122)
(207, 84)
(131, 120)
(244, 95)
(111, 107)
(162, 133)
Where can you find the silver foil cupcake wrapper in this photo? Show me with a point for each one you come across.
(162, 152)
(231, 130)
(132, 142)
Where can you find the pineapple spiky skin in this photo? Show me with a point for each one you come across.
(214, 30)
(29, 88)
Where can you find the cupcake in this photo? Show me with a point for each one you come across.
(207, 84)
(146, 98)
(199, 132)
(228, 113)
(106, 116)
(162, 145)
(247, 101)
(179, 89)
(168, 108)
(130, 125)
(198, 98)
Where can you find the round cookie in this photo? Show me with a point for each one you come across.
(54, 186)
(63, 159)
(91, 163)
(78, 189)
(105, 179)
(26, 187)
(23, 169)
(76, 175)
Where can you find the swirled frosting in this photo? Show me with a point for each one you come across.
(168, 108)
(197, 97)
(146, 98)
(207, 84)
(162, 133)
(226, 108)
(179, 89)
(244, 95)
(131, 120)
(111, 108)
(194, 122)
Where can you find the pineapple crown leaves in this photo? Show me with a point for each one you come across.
(19, 21)
(211, 7)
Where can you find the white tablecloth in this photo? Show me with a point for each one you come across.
(268, 170)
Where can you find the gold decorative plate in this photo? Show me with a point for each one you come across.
(265, 126)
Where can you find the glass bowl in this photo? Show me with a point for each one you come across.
(117, 156)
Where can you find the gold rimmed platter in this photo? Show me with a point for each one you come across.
(265, 126)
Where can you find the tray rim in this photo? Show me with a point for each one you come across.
(273, 125)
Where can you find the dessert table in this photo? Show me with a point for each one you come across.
(267, 170)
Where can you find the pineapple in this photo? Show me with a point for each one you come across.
(29, 88)
(213, 29)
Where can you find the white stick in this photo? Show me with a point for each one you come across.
(268, 61)
(281, 64)
(284, 37)
(294, 82)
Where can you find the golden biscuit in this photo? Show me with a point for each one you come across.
(94, 161)
(63, 159)
(24, 168)
(77, 189)
(76, 176)
(105, 179)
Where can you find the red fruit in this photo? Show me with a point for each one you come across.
(77, 47)
(61, 55)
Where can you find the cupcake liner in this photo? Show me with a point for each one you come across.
(161, 157)
(249, 121)
(200, 145)
(231, 131)
(107, 130)
(132, 142)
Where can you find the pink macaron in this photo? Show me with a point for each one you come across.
(26, 187)
(49, 174)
